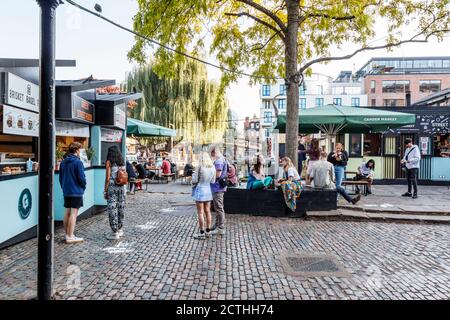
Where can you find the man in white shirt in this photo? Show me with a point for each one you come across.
(411, 160)
(323, 177)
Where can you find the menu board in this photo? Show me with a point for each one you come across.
(433, 124)
(111, 135)
(71, 129)
(21, 93)
(120, 116)
(19, 122)
(82, 109)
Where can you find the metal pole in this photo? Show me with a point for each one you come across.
(46, 147)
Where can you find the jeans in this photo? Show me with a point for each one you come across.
(343, 193)
(218, 207)
(339, 171)
(412, 179)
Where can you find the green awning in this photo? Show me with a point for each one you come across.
(144, 129)
(333, 119)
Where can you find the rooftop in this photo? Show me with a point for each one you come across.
(435, 97)
(84, 84)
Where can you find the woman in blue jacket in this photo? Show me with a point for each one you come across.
(73, 184)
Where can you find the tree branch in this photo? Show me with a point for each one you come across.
(326, 16)
(267, 12)
(262, 46)
(265, 23)
(385, 46)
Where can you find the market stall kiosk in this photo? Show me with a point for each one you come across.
(19, 129)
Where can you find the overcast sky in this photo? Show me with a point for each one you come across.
(100, 48)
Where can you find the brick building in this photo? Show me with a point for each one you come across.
(398, 82)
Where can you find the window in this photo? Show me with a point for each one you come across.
(372, 86)
(319, 89)
(337, 101)
(302, 103)
(429, 86)
(302, 90)
(395, 86)
(338, 90)
(355, 102)
(266, 104)
(319, 102)
(373, 102)
(355, 145)
(445, 63)
(267, 117)
(283, 88)
(267, 133)
(394, 102)
(372, 145)
(282, 104)
(265, 90)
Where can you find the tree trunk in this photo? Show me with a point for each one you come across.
(292, 92)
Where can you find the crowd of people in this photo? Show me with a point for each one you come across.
(211, 178)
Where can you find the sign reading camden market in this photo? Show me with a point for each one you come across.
(21, 93)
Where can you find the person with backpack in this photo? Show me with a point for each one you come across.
(73, 183)
(115, 183)
(411, 164)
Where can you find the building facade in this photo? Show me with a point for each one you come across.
(399, 82)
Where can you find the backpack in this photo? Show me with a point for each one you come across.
(122, 177)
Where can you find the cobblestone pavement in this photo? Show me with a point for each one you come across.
(159, 259)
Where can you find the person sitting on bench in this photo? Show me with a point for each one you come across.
(140, 170)
(257, 178)
(131, 177)
(365, 173)
(323, 177)
(166, 166)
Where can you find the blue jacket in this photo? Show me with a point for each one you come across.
(72, 177)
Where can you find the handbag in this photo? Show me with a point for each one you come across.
(223, 180)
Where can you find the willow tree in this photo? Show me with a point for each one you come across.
(282, 38)
(184, 99)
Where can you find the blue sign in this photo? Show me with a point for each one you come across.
(25, 203)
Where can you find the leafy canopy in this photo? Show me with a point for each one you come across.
(250, 35)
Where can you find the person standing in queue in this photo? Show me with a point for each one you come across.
(114, 191)
(339, 159)
(218, 188)
(411, 163)
(73, 183)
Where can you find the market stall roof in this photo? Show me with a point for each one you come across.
(118, 97)
(84, 84)
(333, 119)
(144, 129)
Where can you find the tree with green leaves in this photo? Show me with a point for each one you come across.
(185, 99)
(282, 38)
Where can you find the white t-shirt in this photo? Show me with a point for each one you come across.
(292, 172)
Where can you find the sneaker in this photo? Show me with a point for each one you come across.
(414, 196)
(218, 231)
(199, 236)
(208, 234)
(356, 199)
(113, 236)
(120, 232)
(74, 239)
(407, 194)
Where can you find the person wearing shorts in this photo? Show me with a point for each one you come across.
(73, 183)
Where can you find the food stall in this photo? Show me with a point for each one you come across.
(19, 129)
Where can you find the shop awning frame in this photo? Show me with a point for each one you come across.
(140, 128)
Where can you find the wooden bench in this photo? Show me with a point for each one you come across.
(165, 177)
(353, 183)
(271, 202)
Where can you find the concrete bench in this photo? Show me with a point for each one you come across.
(271, 202)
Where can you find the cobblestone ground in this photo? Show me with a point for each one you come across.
(159, 259)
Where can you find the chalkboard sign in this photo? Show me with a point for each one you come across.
(433, 124)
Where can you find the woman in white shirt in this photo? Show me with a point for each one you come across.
(290, 184)
(202, 195)
(365, 172)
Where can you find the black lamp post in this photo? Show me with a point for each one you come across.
(46, 147)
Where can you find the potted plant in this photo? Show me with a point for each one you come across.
(90, 153)
(59, 154)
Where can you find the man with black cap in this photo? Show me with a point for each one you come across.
(411, 163)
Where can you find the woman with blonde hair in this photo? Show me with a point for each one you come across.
(290, 184)
(202, 178)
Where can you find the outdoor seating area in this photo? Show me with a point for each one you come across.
(271, 202)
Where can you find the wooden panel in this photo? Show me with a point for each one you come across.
(425, 168)
(389, 167)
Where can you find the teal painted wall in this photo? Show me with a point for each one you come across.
(11, 224)
(99, 177)
(96, 144)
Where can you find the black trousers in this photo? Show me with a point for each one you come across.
(412, 179)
